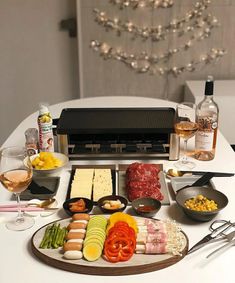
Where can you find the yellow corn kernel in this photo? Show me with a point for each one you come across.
(201, 203)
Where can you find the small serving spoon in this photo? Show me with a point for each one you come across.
(32, 203)
(43, 204)
(175, 173)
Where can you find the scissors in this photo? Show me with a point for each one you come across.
(218, 230)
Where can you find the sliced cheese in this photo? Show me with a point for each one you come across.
(82, 183)
(89, 181)
(102, 184)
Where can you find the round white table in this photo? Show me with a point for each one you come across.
(19, 264)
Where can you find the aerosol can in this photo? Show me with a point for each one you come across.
(46, 141)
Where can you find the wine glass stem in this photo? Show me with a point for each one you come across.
(184, 159)
(20, 217)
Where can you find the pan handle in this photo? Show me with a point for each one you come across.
(201, 181)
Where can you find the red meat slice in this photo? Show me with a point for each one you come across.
(142, 172)
(142, 181)
(144, 185)
(145, 192)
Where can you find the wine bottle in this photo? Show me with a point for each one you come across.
(207, 113)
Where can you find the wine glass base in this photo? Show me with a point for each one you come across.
(182, 165)
(26, 223)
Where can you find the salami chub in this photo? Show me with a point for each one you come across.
(142, 181)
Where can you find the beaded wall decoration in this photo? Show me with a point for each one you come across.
(195, 25)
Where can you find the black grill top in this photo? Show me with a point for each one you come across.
(115, 120)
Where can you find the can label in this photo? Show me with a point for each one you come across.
(46, 142)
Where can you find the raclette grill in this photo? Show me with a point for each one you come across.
(120, 133)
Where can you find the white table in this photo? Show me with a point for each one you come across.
(19, 264)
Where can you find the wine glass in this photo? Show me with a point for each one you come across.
(16, 175)
(186, 128)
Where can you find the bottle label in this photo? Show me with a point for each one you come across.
(204, 140)
(31, 151)
(205, 135)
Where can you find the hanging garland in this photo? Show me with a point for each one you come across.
(143, 63)
(194, 21)
(133, 59)
(143, 3)
(158, 32)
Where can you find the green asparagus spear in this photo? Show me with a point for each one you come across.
(42, 244)
(54, 243)
(54, 237)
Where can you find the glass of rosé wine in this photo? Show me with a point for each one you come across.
(186, 127)
(15, 175)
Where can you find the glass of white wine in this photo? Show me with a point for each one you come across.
(185, 127)
(16, 175)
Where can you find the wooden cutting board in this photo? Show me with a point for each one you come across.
(139, 263)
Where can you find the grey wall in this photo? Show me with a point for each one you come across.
(38, 62)
(114, 78)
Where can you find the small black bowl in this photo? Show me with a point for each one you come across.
(211, 194)
(88, 202)
(102, 200)
(139, 203)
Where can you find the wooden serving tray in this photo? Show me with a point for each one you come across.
(139, 263)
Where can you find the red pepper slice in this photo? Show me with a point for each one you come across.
(125, 257)
(110, 253)
(122, 231)
(127, 250)
(132, 231)
(113, 259)
(121, 223)
(120, 256)
(120, 242)
(116, 233)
